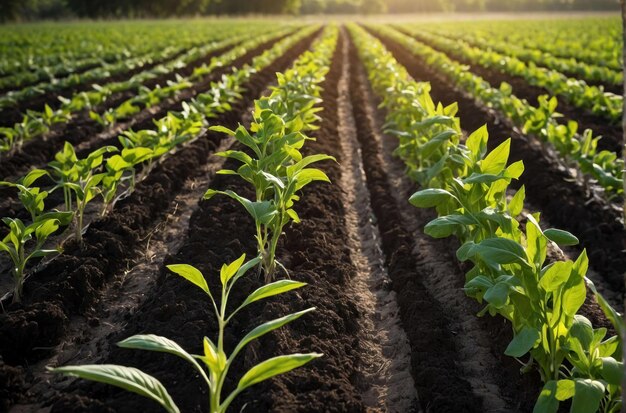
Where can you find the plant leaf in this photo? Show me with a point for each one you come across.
(560, 237)
(191, 274)
(269, 290)
(127, 378)
(274, 367)
(522, 342)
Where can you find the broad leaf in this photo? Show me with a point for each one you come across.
(274, 367)
(428, 198)
(127, 378)
(269, 290)
(523, 342)
(191, 274)
(560, 237)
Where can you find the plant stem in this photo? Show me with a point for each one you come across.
(19, 277)
(79, 223)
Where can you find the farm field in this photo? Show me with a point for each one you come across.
(266, 215)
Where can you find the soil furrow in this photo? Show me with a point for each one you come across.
(73, 281)
(611, 134)
(387, 352)
(452, 362)
(548, 187)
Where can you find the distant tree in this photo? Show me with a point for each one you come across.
(373, 6)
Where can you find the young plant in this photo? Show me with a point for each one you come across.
(277, 172)
(119, 168)
(273, 162)
(81, 178)
(214, 358)
(17, 243)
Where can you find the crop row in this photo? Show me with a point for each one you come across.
(146, 97)
(36, 124)
(158, 48)
(169, 57)
(51, 51)
(576, 150)
(593, 41)
(83, 180)
(570, 66)
(469, 189)
(575, 91)
(277, 169)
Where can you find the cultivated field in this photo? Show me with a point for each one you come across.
(261, 215)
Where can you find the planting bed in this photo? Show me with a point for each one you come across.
(392, 320)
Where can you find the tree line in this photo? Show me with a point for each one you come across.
(54, 9)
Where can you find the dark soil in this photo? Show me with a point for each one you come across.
(611, 133)
(565, 204)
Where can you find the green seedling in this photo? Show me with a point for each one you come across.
(214, 364)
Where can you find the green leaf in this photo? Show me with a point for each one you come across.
(32, 176)
(127, 378)
(4, 247)
(523, 342)
(228, 271)
(497, 295)
(274, 367)
(614, 317)
(191, 274)
(446, 225)
(574, 297)
(477, 142)
(498, 251)
(261, 211)
(560, 237)
(556, 275)
(516, 205)
(293, 215)
(267, 327)
(427, 198)
(565, 389)
(151, 342)
(222, 129)
(495, 161)
(547, 402)
(45, 229)
(587, 396)
(269, 290)
(582, 330)
(117, 163)
(612, 370)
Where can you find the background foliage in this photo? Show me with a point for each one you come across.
(55, 9)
